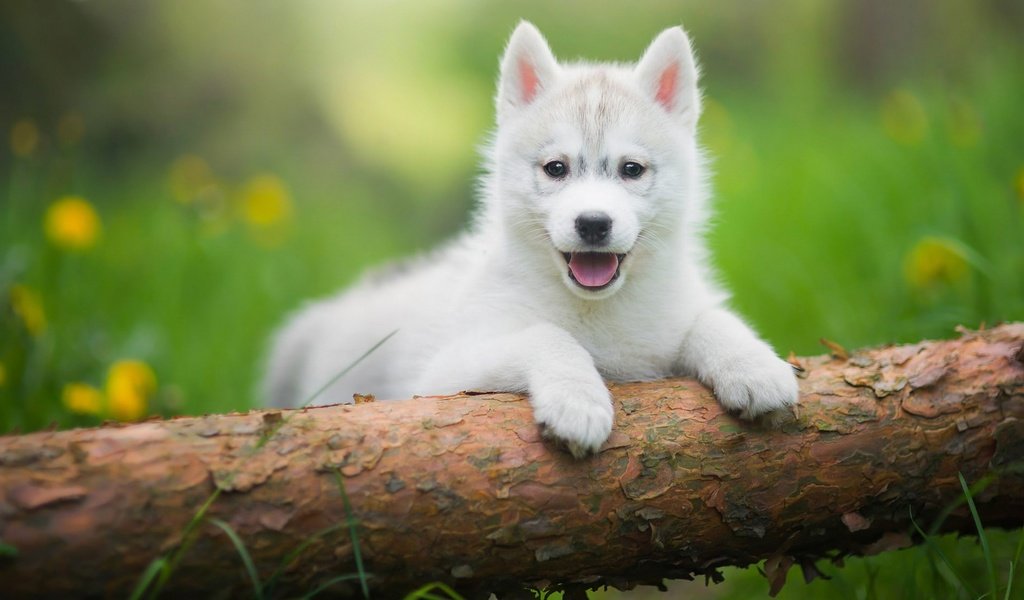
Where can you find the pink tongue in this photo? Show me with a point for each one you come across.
(593, 269)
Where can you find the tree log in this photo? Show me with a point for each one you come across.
(465, 490)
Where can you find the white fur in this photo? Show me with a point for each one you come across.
(497, 310)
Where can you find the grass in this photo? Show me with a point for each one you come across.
(162, 567)
(159, 572)
(353, 536)
(960, 570)
(243, 553)
(168, 564)
(993, 585)
(957, 581)
(434, 591)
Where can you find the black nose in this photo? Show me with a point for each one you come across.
(593, 227)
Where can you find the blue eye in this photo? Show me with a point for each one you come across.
(632, 170)
(556, 169)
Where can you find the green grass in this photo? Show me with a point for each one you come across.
(434, 591)
(990, 567)
(160, 570)
(353, 528)
(243, 553)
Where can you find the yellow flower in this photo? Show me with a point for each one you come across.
(3, 375)
(189, 175)
(1019, 184)
(24, 138)
(130, 383)
(935, 260)
(29, 307)
(70, 128)
(903, 118)
(72, 223)
(266, 201)
(82, 399)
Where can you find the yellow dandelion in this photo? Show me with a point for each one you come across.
(70, 128)
(24, 138)
(935, 260)
(904, 118)
(82, 399)
(188, 176)
(72, 224)
(130, 384)
(27, 304)
(266, 201)
(3, 375)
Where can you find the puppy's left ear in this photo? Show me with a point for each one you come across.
(668, 74)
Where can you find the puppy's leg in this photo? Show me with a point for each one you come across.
(568, 395)
(745, 373)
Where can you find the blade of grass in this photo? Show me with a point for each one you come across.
(978, 487)
(1013, 563)
(270, 432)
(329, 583)
(992, 581)
(147, 577)
(291, 556)
(425, 592)
(8, 550)
(186, 542)
(1009, 582)
(347, 369)
(243, 552)
(1020, 546)
(961, 582)
(350, 519)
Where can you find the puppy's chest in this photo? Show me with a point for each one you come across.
(631, 346)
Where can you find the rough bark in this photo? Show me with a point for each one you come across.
(464, 490)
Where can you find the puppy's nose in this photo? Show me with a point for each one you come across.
(593, 227)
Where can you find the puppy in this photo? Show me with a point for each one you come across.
(585, 262)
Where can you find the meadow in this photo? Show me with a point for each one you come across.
(145, 282)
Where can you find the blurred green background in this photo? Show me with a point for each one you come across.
(176, 176)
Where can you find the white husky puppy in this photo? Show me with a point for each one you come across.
(585, 263)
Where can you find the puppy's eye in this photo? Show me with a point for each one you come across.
(632, 170)
(556, 169)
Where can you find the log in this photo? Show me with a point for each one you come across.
(464, 490)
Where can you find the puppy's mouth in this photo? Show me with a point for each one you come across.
(593, 270)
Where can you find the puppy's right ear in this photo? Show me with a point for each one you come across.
(527, 69)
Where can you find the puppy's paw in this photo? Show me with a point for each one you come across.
(756, 384)
(579, 416)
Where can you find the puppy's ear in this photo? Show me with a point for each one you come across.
(667, 73)
(527, 69)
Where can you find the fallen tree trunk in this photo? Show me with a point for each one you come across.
(463, 489)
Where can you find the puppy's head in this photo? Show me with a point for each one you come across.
(594, 163)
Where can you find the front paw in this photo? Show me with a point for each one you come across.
(755, 384)
(580, 416)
